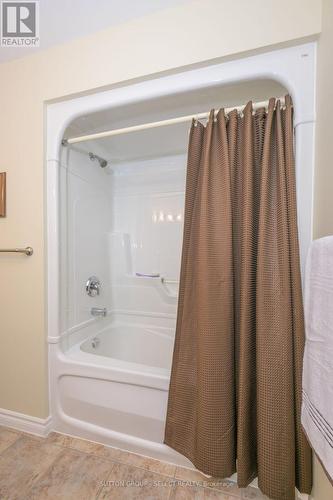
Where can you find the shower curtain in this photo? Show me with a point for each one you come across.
(235, 390)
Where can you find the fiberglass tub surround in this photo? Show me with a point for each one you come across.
(124, 225)
(125, 228)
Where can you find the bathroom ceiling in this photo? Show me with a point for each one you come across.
(166, 140)
(64, 20)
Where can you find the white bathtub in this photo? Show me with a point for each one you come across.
(116, 393)
(143, 345)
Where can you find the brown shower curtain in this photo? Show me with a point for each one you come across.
(235, 390)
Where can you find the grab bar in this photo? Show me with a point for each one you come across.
(27, 251)
(142, 275)
(156, 275)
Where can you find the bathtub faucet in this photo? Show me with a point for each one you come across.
(98, 311)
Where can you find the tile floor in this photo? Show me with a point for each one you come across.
(66, 468)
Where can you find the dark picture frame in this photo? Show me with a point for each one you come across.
(2, 194)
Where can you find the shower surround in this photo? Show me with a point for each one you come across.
(122, 224)
(109, 376)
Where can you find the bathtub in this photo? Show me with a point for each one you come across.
(112, 387)
(133, 344)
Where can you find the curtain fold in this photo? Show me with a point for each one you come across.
(235, 389)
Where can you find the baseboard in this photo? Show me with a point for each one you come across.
(25, 423)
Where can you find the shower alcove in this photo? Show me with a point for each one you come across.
(109, 374)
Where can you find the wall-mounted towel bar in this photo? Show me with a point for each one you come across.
(27, 251)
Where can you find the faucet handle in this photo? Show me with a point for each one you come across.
(93, 286)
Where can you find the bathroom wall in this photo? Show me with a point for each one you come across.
(86, 221)
(164, 41)
(148, 197)
(117, 222)
(149, 206)
(323, 204)
(174, 38)
(324, 144)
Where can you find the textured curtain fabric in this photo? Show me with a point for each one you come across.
(235, 390)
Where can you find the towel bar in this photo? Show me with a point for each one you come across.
(28, 250)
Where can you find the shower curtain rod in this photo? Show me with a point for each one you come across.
(162, 123)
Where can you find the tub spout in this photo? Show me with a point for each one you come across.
(95, 342)
(98, 311)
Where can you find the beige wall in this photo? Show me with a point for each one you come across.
(173, 38)
(323, 213)
(323, 200)
(195, 32)
(322, 488)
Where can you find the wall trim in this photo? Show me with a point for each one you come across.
(26, 423)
